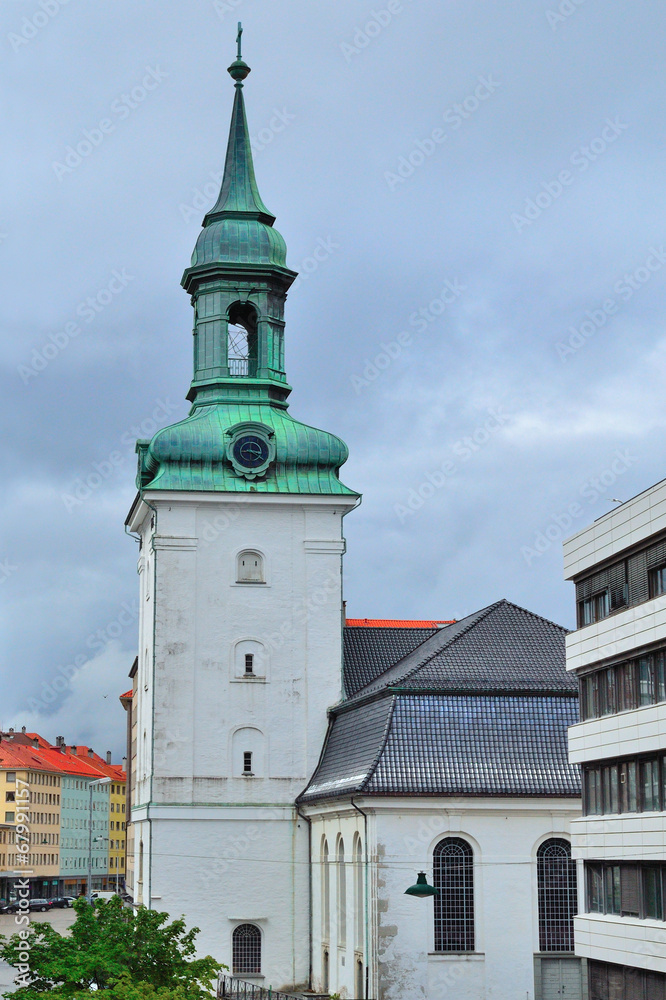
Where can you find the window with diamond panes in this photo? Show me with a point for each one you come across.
(246, 950)
(556, 887)
(453, 875)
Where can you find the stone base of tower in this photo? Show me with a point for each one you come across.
(226, 867)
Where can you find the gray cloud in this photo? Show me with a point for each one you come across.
(349, 116)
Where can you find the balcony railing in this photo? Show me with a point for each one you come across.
(242, 367)
(237, 989)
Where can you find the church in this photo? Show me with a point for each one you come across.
(378, 810)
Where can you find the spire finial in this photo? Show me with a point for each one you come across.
(238, 69)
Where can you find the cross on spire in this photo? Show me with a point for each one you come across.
(238, 39)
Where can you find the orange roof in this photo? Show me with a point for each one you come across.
(395, 623)
(128, 694)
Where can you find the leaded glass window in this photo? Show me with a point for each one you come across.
(453, 875)
(556, 885)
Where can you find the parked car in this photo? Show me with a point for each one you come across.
(10, 907)
(40, 904)
(61, 902)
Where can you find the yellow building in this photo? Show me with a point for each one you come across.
(117, 830)
(29, 820)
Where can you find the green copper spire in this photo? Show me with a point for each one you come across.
(239, 436)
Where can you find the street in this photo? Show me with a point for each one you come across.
(60, 919)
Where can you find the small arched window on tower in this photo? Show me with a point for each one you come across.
(250, 568)
(246, 950)
(242, 340)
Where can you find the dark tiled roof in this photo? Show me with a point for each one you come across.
(501, 648)
(353, 744)
(440, 744)
(369, 651)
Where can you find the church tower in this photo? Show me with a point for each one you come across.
(239, 515)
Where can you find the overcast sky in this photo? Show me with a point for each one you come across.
(483, 322)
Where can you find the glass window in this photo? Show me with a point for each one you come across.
(612, 889)
(660, 671)
(595, 889)
(646, 680)
(556, 886)
(246, 950)
(652, 893)
(657, 580)
(453, 875)
(11, 775)
(628, 673)
(650, 785)
(593, 792)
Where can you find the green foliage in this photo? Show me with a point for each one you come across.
(133, 956)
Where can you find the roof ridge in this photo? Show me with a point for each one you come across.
(478, 616)
(382, 745)
(533, 614)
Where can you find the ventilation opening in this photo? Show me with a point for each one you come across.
(249, 664)
(247, 762)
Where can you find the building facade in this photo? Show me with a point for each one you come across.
(618, 654)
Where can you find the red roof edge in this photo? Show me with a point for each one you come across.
(396, 623)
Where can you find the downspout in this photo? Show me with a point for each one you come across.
(310, 931)
(366, 895)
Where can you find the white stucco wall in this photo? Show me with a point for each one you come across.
(402, 834)
(217, 841)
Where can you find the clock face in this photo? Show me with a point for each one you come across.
(250, 451)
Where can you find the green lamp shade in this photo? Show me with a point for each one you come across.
(421, 888)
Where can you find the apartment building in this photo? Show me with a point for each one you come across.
(618, 652)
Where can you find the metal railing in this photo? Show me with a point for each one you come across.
(242, 367)
(237, 989)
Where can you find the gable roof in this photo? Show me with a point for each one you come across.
(500, 648)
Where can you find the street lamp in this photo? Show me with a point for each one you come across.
(98, 781)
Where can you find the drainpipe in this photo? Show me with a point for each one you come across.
(309, 822)
(365, 893)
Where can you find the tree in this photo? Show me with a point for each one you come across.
(135, 956)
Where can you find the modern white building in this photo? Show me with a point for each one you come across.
(618, 653)
(285, 796)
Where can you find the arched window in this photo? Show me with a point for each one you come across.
(325, 893)
(250, 567)
(342, 895)
(453, 875)
(556, 889)
(242, 340)
(358, 895)
(246, 950)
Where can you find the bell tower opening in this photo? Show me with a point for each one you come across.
(242, 340)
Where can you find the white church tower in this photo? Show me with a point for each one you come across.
(239, 515)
